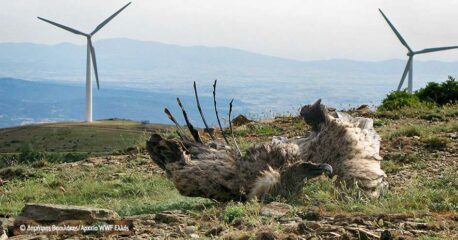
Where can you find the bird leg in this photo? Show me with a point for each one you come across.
(216, 111)
(194, 132)
(178, 127)
(230, 127)
(207, 129)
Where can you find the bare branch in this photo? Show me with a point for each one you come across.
(207, 129)
(178, 127)
(216, 111)
(194, 132)
(230, 127)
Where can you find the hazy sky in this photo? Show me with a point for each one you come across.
(299, 29)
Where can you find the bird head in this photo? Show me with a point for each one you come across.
(314, 114)
(292, 177)
(311, 170)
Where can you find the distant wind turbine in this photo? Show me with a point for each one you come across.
(411, 53)
(90, 54)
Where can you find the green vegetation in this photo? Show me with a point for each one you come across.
(433, 94)
(437, 143)
(233, 211)
(399, 99)
(421, 196)
(98, 137)
(440, 93)
(126, 188)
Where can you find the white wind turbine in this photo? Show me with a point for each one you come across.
(411, 53)
(90, 54)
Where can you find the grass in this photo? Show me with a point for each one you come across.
(233, 211)
(391, 167)
(422, 195)
(76, 137)
(125, 190)
(436, 143)
(419, 129)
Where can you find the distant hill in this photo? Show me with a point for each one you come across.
(121, 55)
(266, 84)
(23, 102)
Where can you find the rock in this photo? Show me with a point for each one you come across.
(363, 108)
(194, 235)
(215, 231)
(305, 227)
(265, 234)
(386, 235)
(30, 237)
(90, 165)
(288, 220)
(331, 109)
(240, 120)
(238, 223)
(345, 236)
(7, 224)
(452, 135)
(302, 228)
(58, 213)
(236, 236)
(275, 209)
(190, 230)
(95, 160)
(3, 182)
(291, 237)
(310, 215)
(140, 217)
(132, 150)
(169, 217)
(3, 235)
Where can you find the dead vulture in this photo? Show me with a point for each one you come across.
(339, 144)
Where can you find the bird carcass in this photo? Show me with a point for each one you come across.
(338, 144)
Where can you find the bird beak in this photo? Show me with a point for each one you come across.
(326, 168)
(315, 170)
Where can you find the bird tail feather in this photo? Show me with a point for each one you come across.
(265, 183)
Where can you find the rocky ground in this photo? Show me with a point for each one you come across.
(419, 155)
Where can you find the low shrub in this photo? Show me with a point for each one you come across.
(439, 93)
(232, 212)
(399, 99)
(18, 172)
(436, 143)
(433, 94)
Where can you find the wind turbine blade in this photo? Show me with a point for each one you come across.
(396, 32)
(100, 26)
(428, 50)
(404, 75)
(63, 27)
(94, 63)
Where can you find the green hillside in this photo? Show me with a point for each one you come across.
(97, 137)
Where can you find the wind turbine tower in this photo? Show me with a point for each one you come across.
(90, 57)
(411, 54)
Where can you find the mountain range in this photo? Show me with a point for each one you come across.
(266, 85)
